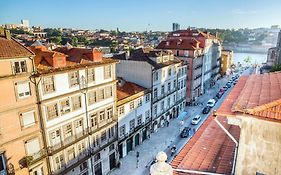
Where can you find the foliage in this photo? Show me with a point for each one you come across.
(104, 43)
(53, 32)
(18, 31)
(275, 68)
(248, 60)
(55, 39)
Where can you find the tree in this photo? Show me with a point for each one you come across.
(55, 39)
(74, 41)
(248, 60)
(275, 68)
(53, 32)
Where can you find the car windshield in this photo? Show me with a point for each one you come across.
(210, 102)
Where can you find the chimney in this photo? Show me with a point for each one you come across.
(96, 55)
(7, 34)
(2, 31)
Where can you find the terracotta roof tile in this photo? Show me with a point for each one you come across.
(10, 48)
(209, 150)
(128, 89)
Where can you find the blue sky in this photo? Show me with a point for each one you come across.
(139, 15)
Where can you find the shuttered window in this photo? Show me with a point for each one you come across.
(32, 146)
(76, 102)
(28, 119)
(48, 84)
(23, 89)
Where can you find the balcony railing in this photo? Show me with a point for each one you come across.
(31, 159)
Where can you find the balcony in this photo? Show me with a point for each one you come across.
(31, 159)
(103, 144)
(67, 142)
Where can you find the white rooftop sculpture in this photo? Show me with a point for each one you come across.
(161, 167)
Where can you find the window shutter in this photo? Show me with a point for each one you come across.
(23, 89)
(32, 146)
(28, 118)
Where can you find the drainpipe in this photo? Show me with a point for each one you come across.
(40, 116)
(233, 139)
(195, 172)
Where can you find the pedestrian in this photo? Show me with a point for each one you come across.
(168, 123)
(194, 130)
(172, 151)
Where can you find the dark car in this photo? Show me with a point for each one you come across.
(219, 94)
(216, 98)
(228, 85)
(222, 90)
(206, 110)
(185, 132)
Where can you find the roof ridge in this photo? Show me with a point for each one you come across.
(23, 46)
(263, 107)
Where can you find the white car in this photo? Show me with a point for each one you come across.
(196, 120)
(211, 103)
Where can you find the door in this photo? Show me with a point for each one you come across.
(137, 139)
(129, 145)
(120, 149)
(112, 161)
(55, 137)
(144, 134)
(98, 169)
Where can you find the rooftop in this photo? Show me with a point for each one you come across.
(209, 150)
(256, 95)
(126, 89)
(183, 44)
(10, 48)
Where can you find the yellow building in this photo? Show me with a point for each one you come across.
(226, 61)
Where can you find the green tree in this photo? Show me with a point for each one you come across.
(248, 60)
(74, 41)
(53, 32)
(275, 68)
(55, 39)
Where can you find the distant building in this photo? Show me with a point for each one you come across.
(176, 26)
(274, 53)
(226, 61)
(25, 23)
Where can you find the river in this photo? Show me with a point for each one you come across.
(256, 58)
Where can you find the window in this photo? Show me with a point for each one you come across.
(20, 67)
(109, 112)
(103, 136)
(23, 89)
(78, 124)
(27, 119)
(162, 89)
(174, 98)
(100, 94)
(169, 71)
(94, 120)
(91, 75)
(155, 76)
(92, 97)
(73, 78)
(37, 170)
(32, 146)
(108, 91)
(169, 101)
(52, 111)
(121, 110)
(102, 116)
(81, 147)
(68, 130)
(76, 102)
(147, 115)
(139, 102)
(162, 105)
(132, 105)
(147, 98)
(122, 130)
(169, 87)
(71, 154)
(132, 124)
(2, 164)
(155, 93)
(175, 84)
(111, 132)
(48, 84)
(59, 161)
(155, 109)
(107, 71)
(83, 166)
(111, 147)
(65, 106)
(139, 120)
(55, 136)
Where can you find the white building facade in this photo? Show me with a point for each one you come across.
(78, 116)
(134, 118)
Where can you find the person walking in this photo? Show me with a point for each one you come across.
(168, 123)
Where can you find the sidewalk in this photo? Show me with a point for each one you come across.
(164, 139)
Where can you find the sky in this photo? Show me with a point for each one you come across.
(141, 15)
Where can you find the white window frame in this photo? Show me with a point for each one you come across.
(26, 94)
(22, 119)
(22, 68)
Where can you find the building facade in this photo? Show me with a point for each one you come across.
(21, 143)
(77, 102)
(226, 61)
(134, 115)
(157, 71)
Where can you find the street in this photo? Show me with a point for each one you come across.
(166, 137)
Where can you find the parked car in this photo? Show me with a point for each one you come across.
(206, 110)
(228, 85)
(219, 94)
(216, 99)
(222, 90)
(185, 132)
(211, 103)
(196, 120)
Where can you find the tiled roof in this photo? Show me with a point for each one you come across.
(257, 95)
(128, 89)
(225, 108)
(183, 44)
(209, 150)
(76, 54)
(139, 55)
(10, 48)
